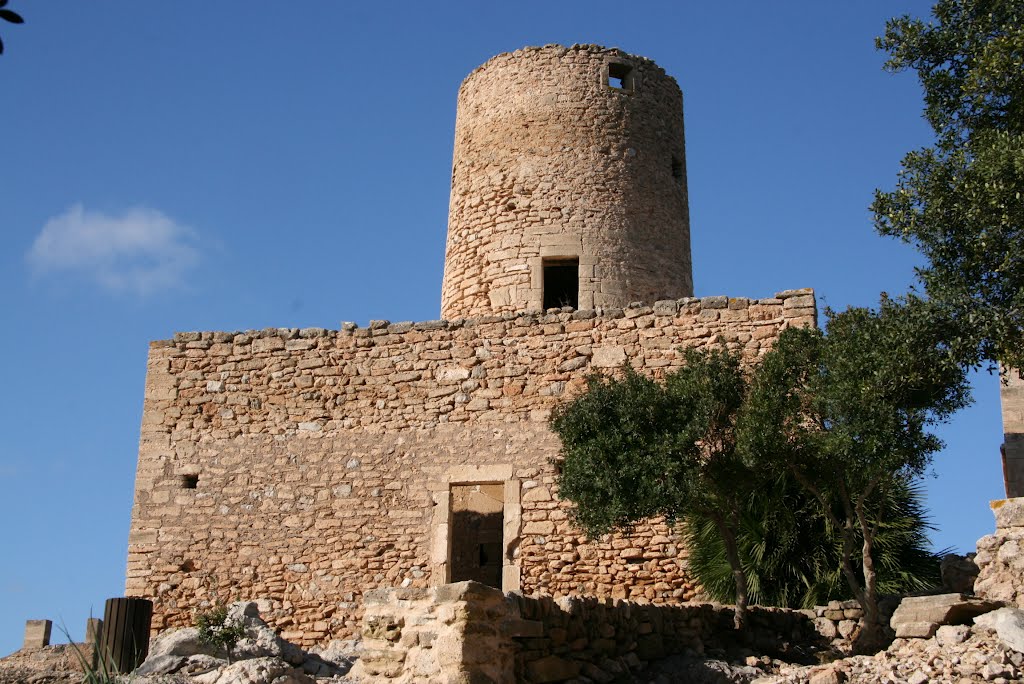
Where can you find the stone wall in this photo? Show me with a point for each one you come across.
(552, 162)
(1012, 399)
(469, 632)
(1000, 558)
(309, 466)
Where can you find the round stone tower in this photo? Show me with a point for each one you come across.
(568, 185)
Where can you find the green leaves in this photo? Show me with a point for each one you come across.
(218, 629)
(633, 448)
(8, 16)
(960, 201)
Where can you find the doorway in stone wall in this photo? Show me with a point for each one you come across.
(477, 525)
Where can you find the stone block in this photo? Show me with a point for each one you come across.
(1008, 624)
(93, 631)
(37, 634)
(1008, 512)
(611, 356)
(921, 616)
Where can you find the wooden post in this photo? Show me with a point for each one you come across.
(125, 639)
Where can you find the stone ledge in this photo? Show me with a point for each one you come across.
(666, 308)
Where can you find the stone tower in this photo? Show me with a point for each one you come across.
(568, 185)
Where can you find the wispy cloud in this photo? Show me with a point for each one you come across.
(140, 251)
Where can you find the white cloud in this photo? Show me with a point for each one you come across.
(140, 251)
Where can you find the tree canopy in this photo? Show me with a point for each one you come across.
(848, 412)
(960, 201)
(634, 448)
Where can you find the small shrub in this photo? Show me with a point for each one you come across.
(218, 629)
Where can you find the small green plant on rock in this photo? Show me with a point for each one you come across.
(219, 629)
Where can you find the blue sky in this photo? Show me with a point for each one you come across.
(233, 165)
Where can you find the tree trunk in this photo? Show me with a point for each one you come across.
(871, 638)
(739, 577)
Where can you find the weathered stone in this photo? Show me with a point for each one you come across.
(1008, 624)
(1009, 513)
(181, 642)
(921, 616)
(949, 635)
(159, 665)
(608, 357)
(255, 671)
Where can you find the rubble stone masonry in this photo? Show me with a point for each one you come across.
(306, 467)
(567, 154)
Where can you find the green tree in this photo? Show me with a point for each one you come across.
(961, 200)
(847, 413)
(633, 448)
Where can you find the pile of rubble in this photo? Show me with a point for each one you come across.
(178, 656)
(989, 650)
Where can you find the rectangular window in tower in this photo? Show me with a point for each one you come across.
(620, 76)
(561, 282)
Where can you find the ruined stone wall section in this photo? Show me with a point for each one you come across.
(551, 161)
(306, 467)
(1012, 399)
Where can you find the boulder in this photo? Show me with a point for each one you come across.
(180, 642)
(1008, 624)
(255, 671)
(199, 664)
(921, 616)
(260, 640)
(160, 665)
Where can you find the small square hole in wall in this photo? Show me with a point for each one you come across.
(620, 76)
(189, 481)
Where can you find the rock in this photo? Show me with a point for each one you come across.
(847, 628)
(921, 616)
(199, 664)
(1007, 623)
(958, 573)
(255, 671)
(340, 654)
(916, 630)
(949, 635)
(918, 678)
(829, 676)
(826, 628)
(260, 641)
(1009, 513)
(180, 642)
(163, 664)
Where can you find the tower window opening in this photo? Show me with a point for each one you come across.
(189, 481)
(620, 76)
(677, 170)
(561, 283)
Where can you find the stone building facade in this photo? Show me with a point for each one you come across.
(306, 467)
